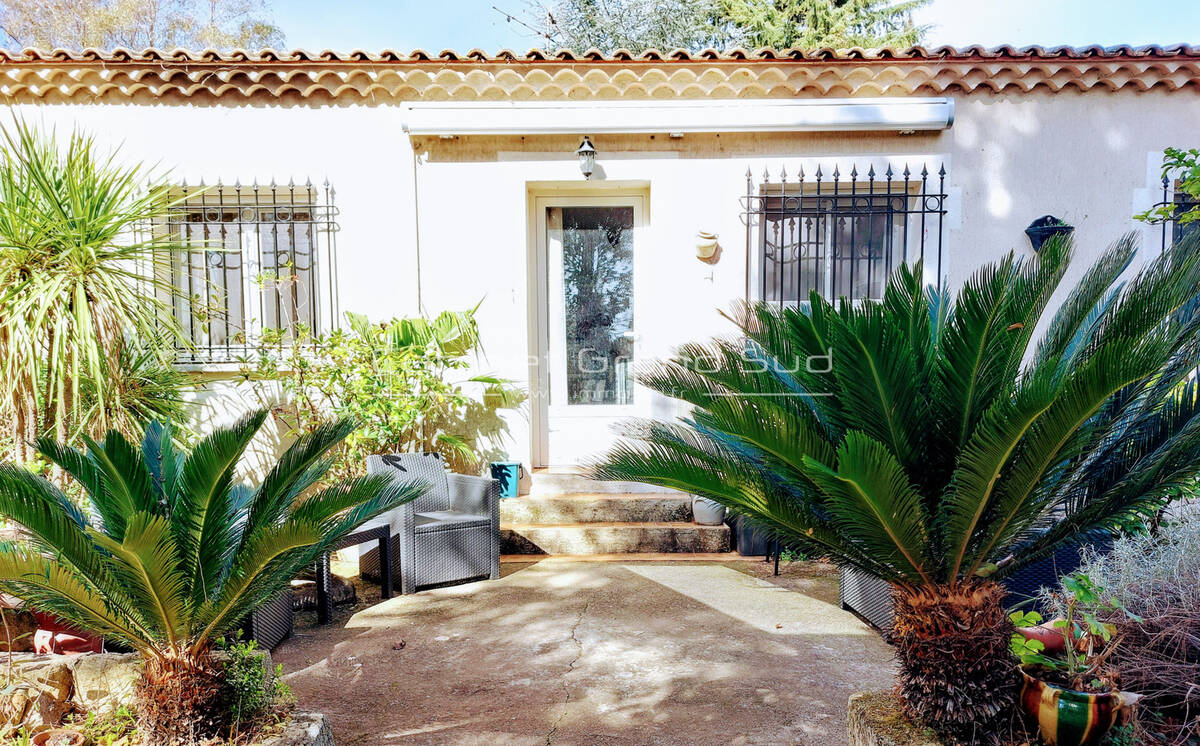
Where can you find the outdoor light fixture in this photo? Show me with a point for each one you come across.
(587, 157)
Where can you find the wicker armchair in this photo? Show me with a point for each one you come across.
(449, 533)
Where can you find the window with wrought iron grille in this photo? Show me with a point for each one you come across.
(257, 257)
(840, 234)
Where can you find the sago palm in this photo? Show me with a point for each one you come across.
(941, 444)
(173, 551)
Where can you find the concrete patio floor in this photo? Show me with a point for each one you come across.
(562, 652)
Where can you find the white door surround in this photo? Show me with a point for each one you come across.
(576, 403)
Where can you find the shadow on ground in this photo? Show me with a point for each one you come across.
(594, 653)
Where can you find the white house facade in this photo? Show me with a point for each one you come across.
(396, 183)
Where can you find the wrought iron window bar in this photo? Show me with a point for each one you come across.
(257, 257)
(841, 237)
(1172, 229)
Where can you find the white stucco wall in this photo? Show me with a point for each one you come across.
(1089, 158)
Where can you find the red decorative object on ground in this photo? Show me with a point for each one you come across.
(55, 637)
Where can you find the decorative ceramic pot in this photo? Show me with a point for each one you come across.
(1044, 228)
(706, 246)
(707, 512)
(59, 737)
(1066, 717)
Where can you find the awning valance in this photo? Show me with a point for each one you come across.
(679, 117)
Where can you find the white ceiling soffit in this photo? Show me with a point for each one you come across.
(678, 117)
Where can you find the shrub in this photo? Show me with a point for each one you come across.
(251, 694)
(1157, 578)
(74, 293)
(396, 379)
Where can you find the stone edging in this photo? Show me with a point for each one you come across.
(304, 729)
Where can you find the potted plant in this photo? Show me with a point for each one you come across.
(59, 737)
(1046, 227)
(174, 551)
(1071, 694)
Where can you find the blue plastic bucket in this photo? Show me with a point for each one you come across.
(508, 474)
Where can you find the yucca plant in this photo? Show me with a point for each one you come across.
(77, 281)
(171, 551)
(941, 444)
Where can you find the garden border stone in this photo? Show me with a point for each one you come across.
(304, 729)
(875, 719)
(47, 686)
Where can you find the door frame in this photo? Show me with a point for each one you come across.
(539, 200)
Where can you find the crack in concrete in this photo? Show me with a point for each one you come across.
(571, 667)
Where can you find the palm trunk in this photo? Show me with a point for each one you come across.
(957, 674)
(178, 701)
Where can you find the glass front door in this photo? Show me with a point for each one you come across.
(590, 339)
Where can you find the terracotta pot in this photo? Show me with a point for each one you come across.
(1066, 717)
(59, 737)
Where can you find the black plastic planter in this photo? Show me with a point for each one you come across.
(1044, 228)
(749, 540)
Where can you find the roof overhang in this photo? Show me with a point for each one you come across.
(679, 117)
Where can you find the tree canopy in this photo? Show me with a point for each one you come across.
(638, 25)
(136, 24)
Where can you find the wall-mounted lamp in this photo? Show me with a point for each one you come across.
(587, 157)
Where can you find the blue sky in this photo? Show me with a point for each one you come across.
(434, 25)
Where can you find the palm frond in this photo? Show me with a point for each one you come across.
(203, 521)
(872, 502)
(52, 587)
(144, 562)
(1080, 397)
(300, 467)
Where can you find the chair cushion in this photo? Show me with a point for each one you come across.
(438, 520)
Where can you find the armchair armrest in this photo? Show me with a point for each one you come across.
(481, 496)
(478, 495)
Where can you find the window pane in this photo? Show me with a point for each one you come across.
(862, 259)
(793, 255)
(844, 246)
(285, 238)
(1184, 204)
(597, 247)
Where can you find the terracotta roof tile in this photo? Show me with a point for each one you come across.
(389, 76)
(268, 56)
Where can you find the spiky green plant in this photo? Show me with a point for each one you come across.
(940, 444)
(173, 551)
(76, 282)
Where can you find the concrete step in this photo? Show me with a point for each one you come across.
(612, 538)
(572, 481)
(601, 508)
